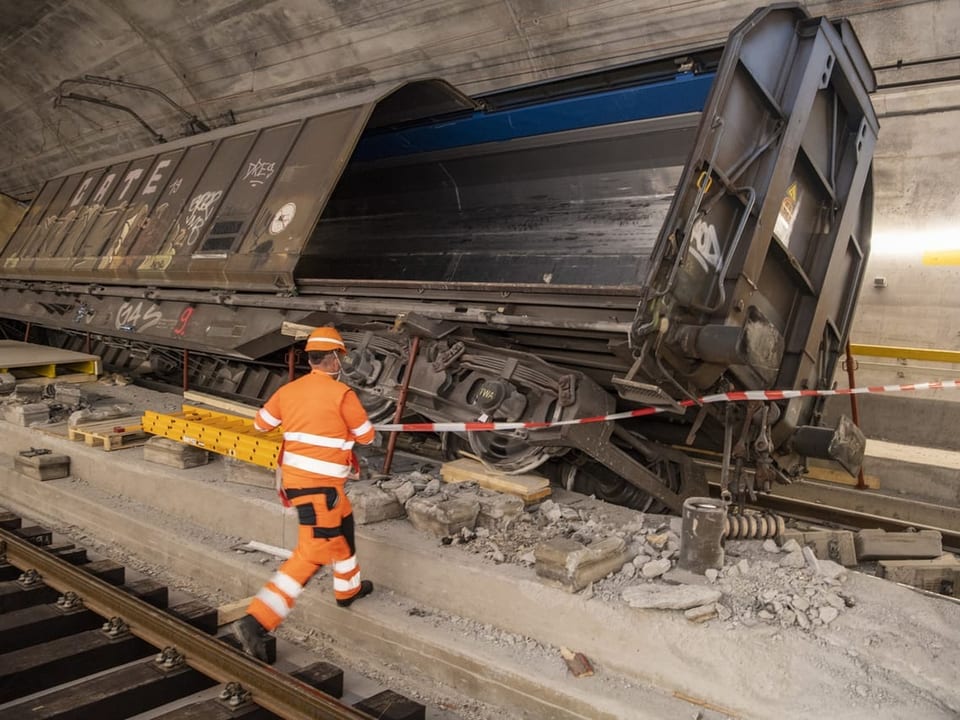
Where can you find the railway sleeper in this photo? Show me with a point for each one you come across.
(42, 623)
(29, 590)
(118, 694)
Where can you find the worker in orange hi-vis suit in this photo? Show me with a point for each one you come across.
(321, 419)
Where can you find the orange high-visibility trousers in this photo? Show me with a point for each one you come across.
(326, 537)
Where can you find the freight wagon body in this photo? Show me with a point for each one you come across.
(637, 236)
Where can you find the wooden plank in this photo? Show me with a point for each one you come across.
(213, 401)
(840, 477)
(530, 488)
(232, 611)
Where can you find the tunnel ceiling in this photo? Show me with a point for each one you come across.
(226, 60)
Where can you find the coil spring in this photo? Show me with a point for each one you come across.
(752, 527)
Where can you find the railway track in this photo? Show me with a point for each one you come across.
(96, 647)
(847, 518)
(846, 508)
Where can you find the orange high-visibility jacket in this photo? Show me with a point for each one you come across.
(321, 419)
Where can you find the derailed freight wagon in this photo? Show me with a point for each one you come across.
(638, 236)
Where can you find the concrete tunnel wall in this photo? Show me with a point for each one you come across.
(251, 57)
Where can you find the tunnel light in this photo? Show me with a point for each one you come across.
(935, 246)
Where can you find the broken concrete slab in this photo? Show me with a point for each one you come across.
(107, 412)
(68, 393)
(372, 503)
(28, 392)
(498, 510)
(669, 597)
(882, 545)
(27, 414)
(443, 518)
(836, 545)
(401, 489)
(939, 575)
(573, 565)
(164, 451)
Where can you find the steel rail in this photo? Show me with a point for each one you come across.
(814, 511)
(277, 692)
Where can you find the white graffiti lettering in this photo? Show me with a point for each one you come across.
(131, 316)
(81, 191)
(128, 180)
(104, 189)
(151, 186)
(704, 246)
(175, 186)
(259, 172)
(198, 213)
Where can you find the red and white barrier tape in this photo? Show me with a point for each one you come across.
(642, 412)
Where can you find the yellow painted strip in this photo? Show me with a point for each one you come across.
(908, 353)
(941, 257)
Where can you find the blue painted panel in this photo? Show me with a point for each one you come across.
(681, 94)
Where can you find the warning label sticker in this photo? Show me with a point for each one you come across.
(788, 214)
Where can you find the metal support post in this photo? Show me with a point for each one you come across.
(854, 411)
(401, 402)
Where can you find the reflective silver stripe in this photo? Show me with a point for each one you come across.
(288, 586)
(320, 467)
(346, 585)
(267, 418)
(319, 440)
(330, 342)
(345, 566)
(362, 429)
(274, 602)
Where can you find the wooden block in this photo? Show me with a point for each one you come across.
(940, 575)
(882, 545)
(232, 611)
(840, 477)
(531, 488)
(236, 408)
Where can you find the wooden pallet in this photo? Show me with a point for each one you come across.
(114, 434)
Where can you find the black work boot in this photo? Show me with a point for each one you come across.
(366, 587)
(252, 637)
